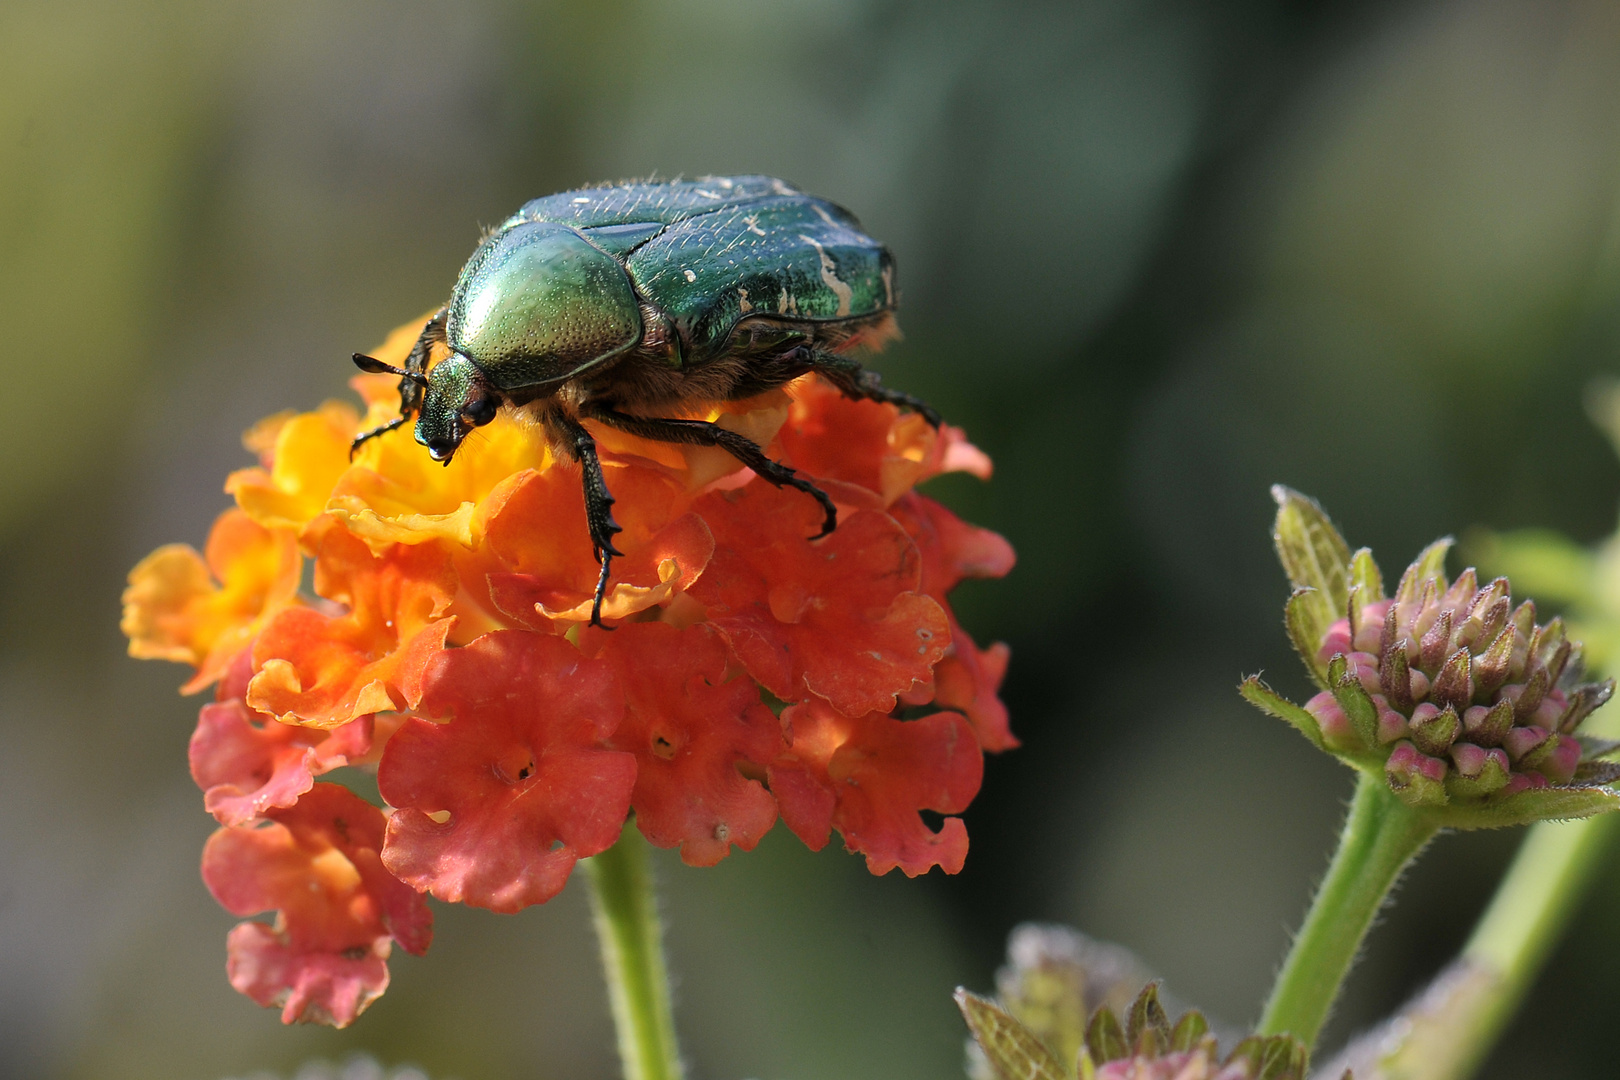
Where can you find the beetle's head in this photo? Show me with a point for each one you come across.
(458, 399)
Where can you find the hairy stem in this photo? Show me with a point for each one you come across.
(1527, 915)
(627, 926)
(1381, 835)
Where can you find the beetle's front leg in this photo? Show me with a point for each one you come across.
(434, 333)
(598, 501)
(703, 433)
(855, 381)
(410, 383)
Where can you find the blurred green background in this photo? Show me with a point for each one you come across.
(1156, 254)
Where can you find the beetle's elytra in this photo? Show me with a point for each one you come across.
(623, 302)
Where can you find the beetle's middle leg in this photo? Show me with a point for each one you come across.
(704, 433)
(598, 501)
(855, 381)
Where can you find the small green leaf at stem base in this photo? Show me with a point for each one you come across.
(1268, 701)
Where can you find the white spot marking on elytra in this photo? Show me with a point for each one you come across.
(782, 189)
(752, 221)
(708, 194)
(825, 216)
(581, 199)
(690, 276)
(725, 182)
(742, 301)
(830, 278)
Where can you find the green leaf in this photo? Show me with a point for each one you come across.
(1272, 1057)
(1313, 553)
(1542, 563)
(1597, 772)
(1268, 701)
(1538, 804)
(1147, 1028)
(1012, 1049)
(1430, 563)
(1188, 1030)
(1365, 573)
(1105, 1039)
(1354, 700)
(1304, 617)
(1314, 556)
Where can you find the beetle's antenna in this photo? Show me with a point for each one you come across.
(377, 367)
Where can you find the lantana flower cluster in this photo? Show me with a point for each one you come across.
(1463, 702)
(746, 673)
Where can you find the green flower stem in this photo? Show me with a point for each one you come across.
(1381, 835)
(1532, 905)
(626, 914)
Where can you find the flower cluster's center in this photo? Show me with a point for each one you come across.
(1469, 692)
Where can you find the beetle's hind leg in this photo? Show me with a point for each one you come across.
(855, 381)
(703, 433)
(598, 502)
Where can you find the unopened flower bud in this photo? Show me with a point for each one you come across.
(1436, 733)
(1415, 776)
(1465, 702)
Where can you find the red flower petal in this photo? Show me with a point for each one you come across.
(318, 866)
(969, 680)
(248, 763)
(969, 677)
(869, 777)
(325, 670)
(311, 988)
(951, 549)
(692, 732)
(518, 769)
(838, 617)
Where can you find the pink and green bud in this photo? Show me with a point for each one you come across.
(1448, 689)
(1145, 1046)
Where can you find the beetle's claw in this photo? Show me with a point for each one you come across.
(601, 591)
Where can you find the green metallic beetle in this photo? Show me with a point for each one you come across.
(617, 303)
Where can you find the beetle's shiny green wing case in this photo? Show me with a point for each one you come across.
(664, 202)
(536, 304)
(789, 258)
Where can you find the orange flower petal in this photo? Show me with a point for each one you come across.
(204, 610)
(871, 444)
(325, 670)
(537, 563)
(311, 451)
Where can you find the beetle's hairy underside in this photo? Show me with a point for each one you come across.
(626, 303)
